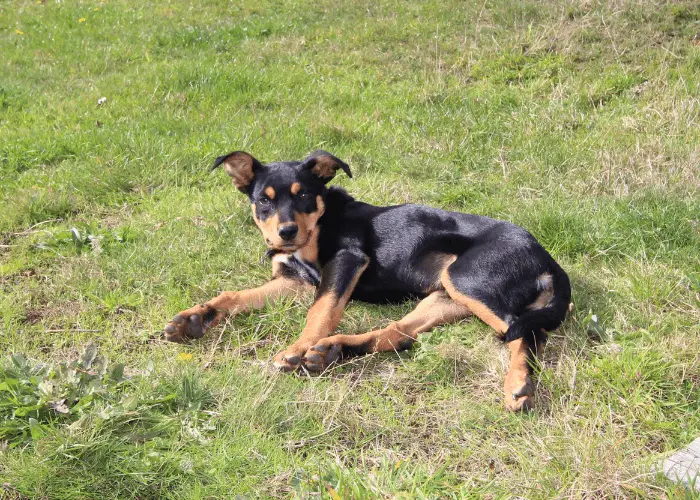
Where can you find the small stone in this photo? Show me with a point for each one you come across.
(683, 466)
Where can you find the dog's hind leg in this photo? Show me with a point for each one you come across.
(489, 296)
(436, 309)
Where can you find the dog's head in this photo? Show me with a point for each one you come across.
(286, 197)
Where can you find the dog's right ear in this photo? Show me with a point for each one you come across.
(240, 166)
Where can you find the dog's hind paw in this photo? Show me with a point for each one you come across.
(191, 324)
(519, 392)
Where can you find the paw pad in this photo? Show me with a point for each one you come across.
(186, 326)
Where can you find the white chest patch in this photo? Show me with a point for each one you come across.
(294, 261)
(308, 267)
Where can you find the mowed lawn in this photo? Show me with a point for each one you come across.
(579, 120)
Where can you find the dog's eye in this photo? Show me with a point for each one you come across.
(264, 201)
(304, 196)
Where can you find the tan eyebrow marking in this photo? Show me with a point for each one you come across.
(296, 187)
(270, 192)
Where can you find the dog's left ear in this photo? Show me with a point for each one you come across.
(324, 165)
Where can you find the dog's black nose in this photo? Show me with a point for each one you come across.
(288, 233)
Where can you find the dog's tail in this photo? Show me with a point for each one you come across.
(533, 325)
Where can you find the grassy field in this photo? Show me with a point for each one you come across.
(579, 120)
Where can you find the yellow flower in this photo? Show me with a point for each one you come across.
(19, 32)
(95, 9)
(184, 356)
(81, 20)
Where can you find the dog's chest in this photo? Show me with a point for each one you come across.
(306, 270)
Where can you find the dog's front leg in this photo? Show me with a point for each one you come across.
(338, 279)
(194, 322)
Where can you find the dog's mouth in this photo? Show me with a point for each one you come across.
(284, 247)
(287, 246)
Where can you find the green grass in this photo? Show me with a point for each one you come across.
(576, 119)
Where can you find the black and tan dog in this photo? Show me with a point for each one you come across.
(458, 264)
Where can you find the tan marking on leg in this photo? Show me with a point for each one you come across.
(231, 303)
(479, 309)
(270, 192)
(321, 320)
(295, 188)
(436, 309)
(544, 283)
(256, 298)
(517, 386)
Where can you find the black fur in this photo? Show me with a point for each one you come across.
(340, 271)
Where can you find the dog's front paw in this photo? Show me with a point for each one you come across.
(519, 391)
(192, 323)
(322, 355)
(288, 360)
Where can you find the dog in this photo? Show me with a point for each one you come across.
(457, 264)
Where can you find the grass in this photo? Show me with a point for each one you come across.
(576, 119)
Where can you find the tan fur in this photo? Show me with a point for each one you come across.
(321, 320)
(240, 168)
(517, 379)
(436, 309)
(305, 222)
(517, 385)
(440, 261)
(231, 303)
(270, 192)
(256, 298)
(545, 284)
(268, 227)
(295, 188)
(479, 309)
(325, 167)
(309, 252)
